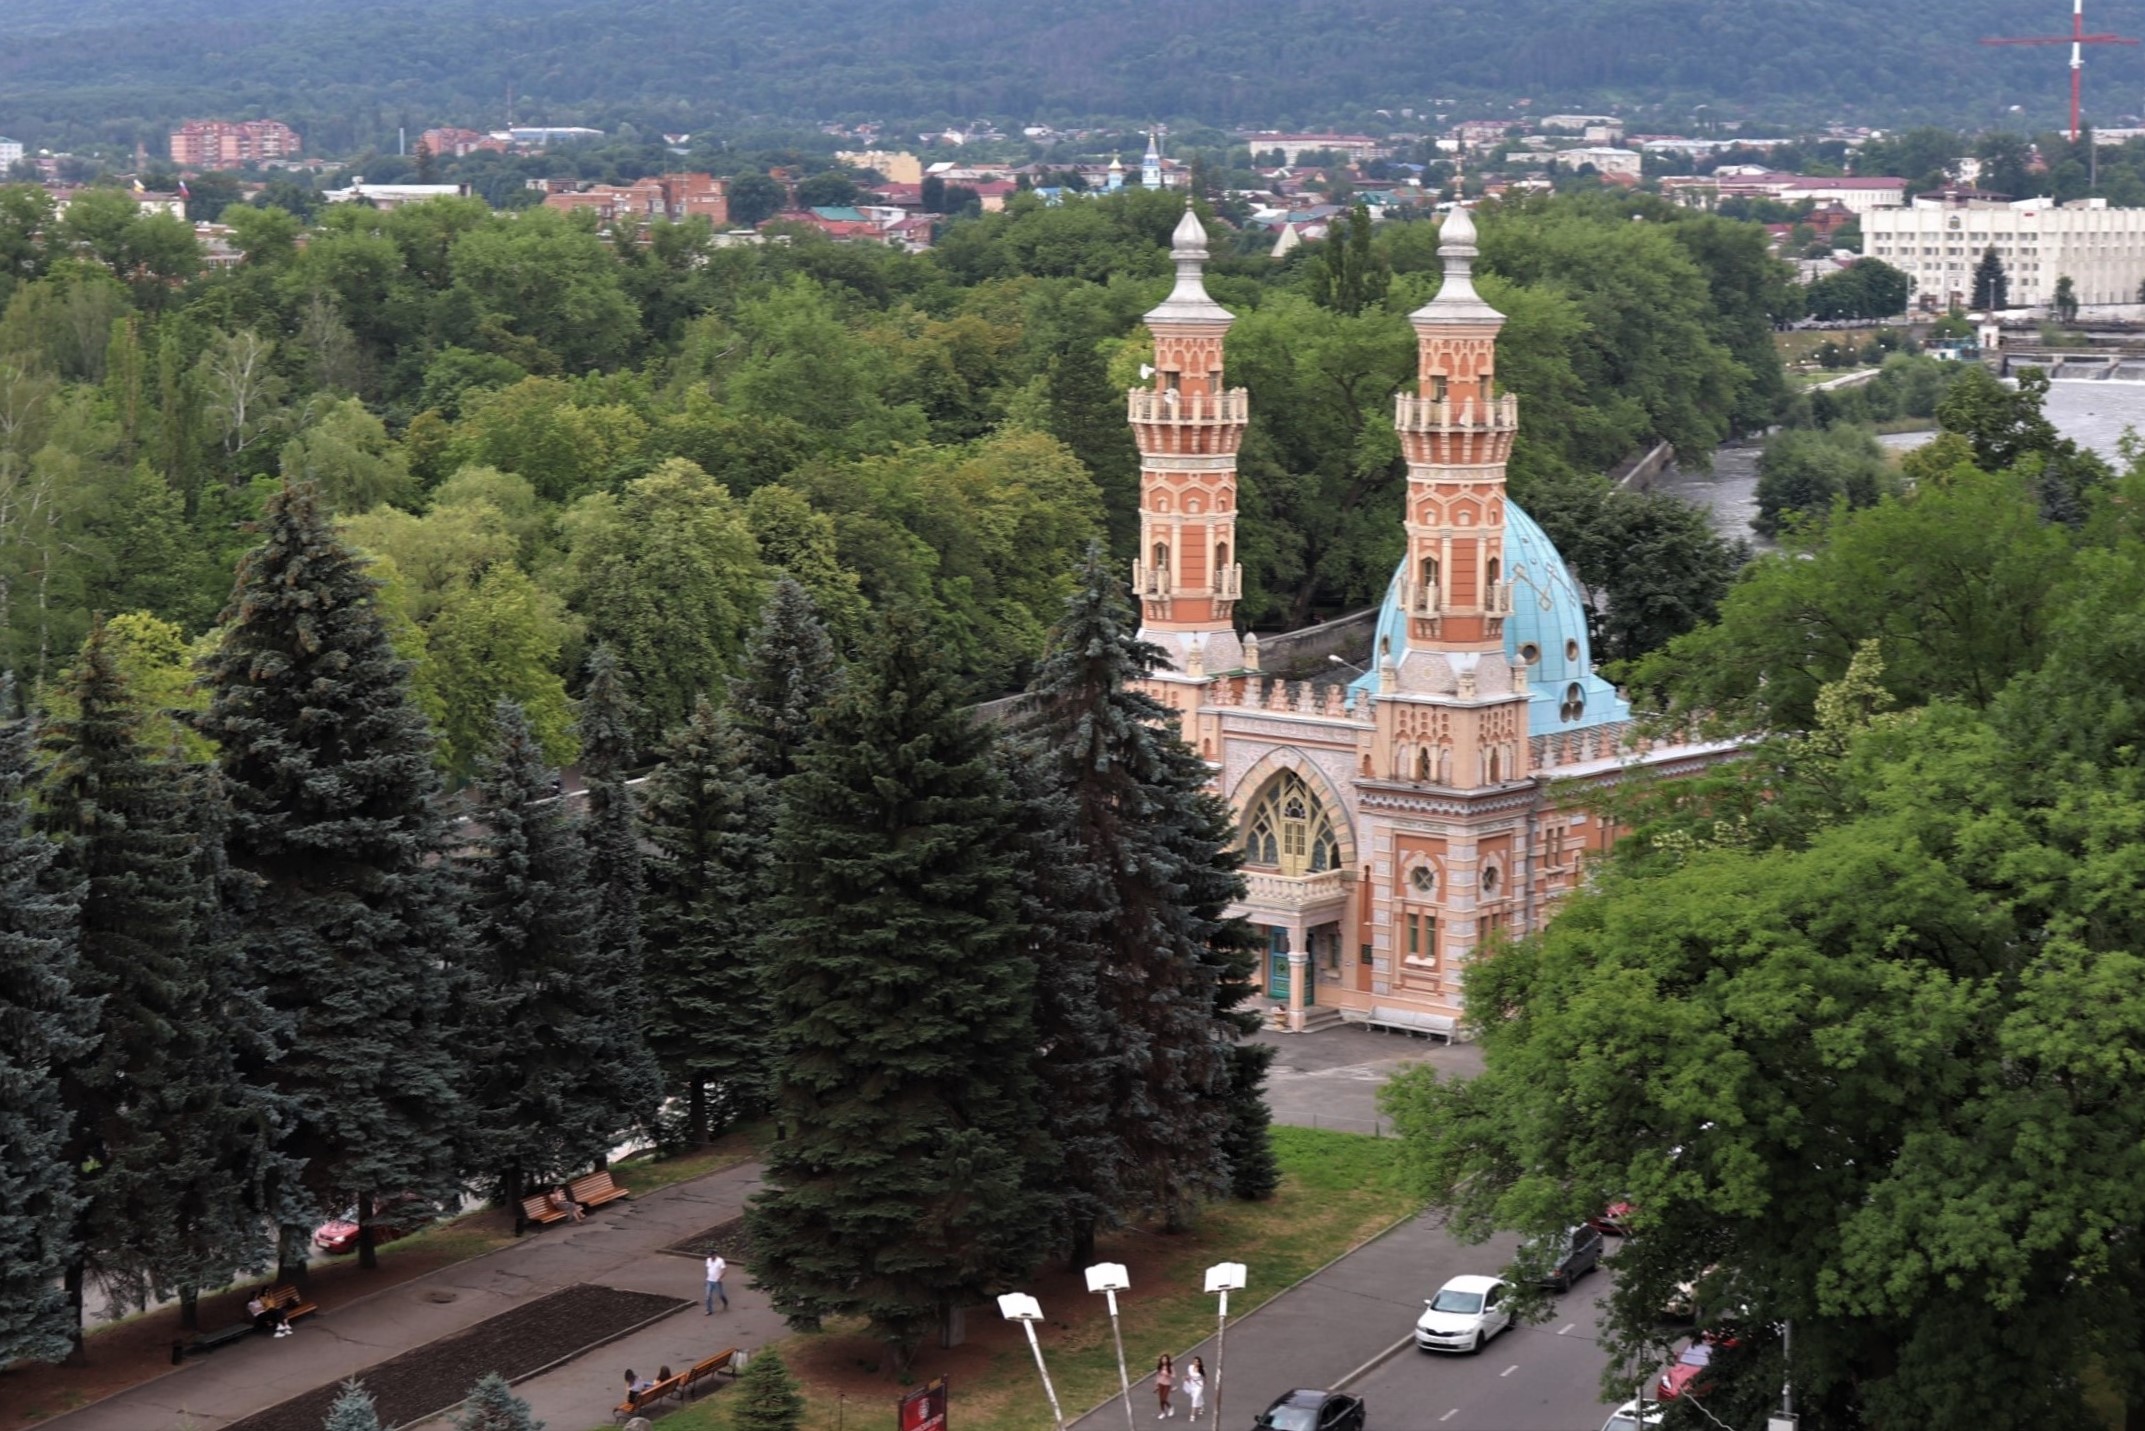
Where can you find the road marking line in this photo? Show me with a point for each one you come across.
(1566, 1327)
(1509, 1370)
(1450, 1414)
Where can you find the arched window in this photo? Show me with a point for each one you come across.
(1161, 556)
(1430, 573)
(1423, 771)
(1494, 765)
(1221, 556)
(1490, 881)
(1289, 830)
(1574, 704)
(1493, 571)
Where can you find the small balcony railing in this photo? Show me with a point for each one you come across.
(1213, 409)
(1420, 414)
(1419, 598)
(1232, 583)
(1149, 580)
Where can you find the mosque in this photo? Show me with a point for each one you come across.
(1393, 825)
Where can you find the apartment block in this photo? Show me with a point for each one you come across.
(229, 143)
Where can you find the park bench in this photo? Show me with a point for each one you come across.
(722, 1363)
(283, 1297)
(595, 1190)
(638, 1400)
(1412, 1021)
(538, 1209)
(288, 1300)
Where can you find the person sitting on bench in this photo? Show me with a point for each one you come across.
(560, 1201)
(267, 1318)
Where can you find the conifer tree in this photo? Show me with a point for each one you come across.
(552, 1080)
(1077, 1035)
(353, 1410)
(704, 815)
(45, 1023)
(767, 1395)
(614, 850)
(493, 1406)
(332, 784)
(788, 678)
(1254, 1171)
(1173, 967)
(160, 1111)
(909, 1138)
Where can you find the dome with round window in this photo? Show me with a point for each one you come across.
(1546, 630)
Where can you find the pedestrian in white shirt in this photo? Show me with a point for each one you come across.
(716, 1268)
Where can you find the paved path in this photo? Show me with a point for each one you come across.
(616, 1247)
(1330, 1079)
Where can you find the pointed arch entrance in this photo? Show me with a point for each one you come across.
(1298, 854)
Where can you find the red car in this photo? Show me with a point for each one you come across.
(1678, 1378)
(1613, 1220)
(398, 1215)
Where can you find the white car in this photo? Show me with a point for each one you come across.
(1627, 1417)
(1465, 1313)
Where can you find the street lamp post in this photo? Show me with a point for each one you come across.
(1024, 1309)
(1110, 1278)
(1222, 1277)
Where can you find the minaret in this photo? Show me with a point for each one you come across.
(1457, 435)
(1454, 589)
(1189, 428)
(1151, 166)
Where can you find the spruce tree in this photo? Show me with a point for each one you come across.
(353, 1410)
(493, 1406)
(45, 1023)
(160, 1110)
(614, 850)
(909, 1138)
(332, 784)
(1254, 1171)
(1173, 967)
(704, 814)
(788, 678)
(1077, 1035)
(767, 1395)
(557, 1067)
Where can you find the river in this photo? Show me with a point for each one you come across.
(2094, 413)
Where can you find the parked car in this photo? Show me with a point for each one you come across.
(1465, 1313)
(1310, 1410)
(1681, 1305)
(1613, 1220)
(1575, 1254)
(397, 1215)
(1633, 1417)
(1682, 1377)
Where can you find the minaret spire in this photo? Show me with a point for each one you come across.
(1189, 428)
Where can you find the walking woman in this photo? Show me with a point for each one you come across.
(1195, 1387)
(1165, 1377)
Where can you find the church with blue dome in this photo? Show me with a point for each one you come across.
(1396, 825)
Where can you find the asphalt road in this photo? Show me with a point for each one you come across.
(1540, 1377)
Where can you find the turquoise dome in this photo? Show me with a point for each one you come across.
(1547, 629)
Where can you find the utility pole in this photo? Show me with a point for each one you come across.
(2077, 39)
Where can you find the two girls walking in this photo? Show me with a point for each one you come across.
(1167, 1380)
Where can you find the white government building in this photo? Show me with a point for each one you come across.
(1938, 239)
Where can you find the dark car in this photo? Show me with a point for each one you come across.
(1306, 1410)
(1577, 1253)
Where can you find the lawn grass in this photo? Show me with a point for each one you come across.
(645, 1172)
(1337, 1190)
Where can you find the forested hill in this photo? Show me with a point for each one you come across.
(336, 66)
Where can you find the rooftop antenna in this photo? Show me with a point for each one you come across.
(2077, 39)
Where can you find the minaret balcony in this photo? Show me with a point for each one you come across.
(1149, 581)
(1223, 409)
(1499, 601)
(1232, 583)
(1422, 414)
(1419, 598)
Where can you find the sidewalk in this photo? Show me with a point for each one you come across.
(1319, 1331)
(617, 1247)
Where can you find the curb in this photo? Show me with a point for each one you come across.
(1323, 1268)
(1377, 1361)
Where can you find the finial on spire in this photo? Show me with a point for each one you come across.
(1457, 301)
(1188, 302)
